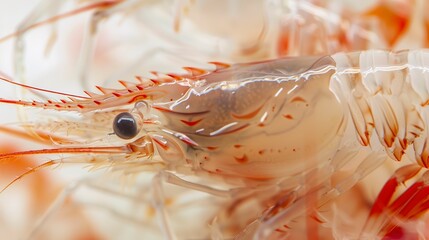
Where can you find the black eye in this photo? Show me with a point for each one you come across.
(125, 126)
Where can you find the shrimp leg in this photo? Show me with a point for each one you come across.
(159, 205)
(55, 206)
(387, 213)
(74, 187)
(298, 208)
(168, 177)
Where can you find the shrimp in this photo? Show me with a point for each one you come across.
(273, 137)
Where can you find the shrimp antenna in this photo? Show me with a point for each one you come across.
(30, 171)
(8, 156)
(102, 4)
(117, 149)
(40, 89)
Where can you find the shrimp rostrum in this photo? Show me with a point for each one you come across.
(275, 133)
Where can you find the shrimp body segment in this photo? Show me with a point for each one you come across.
(266, 123)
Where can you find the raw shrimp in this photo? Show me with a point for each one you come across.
(276, 132)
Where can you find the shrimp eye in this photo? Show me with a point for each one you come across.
(125, 125)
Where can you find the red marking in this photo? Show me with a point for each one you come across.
(220, 65)
(180, 113)
(317, 219)
(162, 109)
(189, 142)
(50, 101)
(139, 79)
(298, 99)
(261, 152)
(243, 159)
(123, 83)
(195, 71)
(248, 115)
(139, 87)
(396, 233)
(100, 89)
(261, 125)
(165, 147)
(191, 123)
(137, 98)
(58, 106)
(288, 116)
(155, 81)
(63, 101)
(414, 202)
(389, 188)
(418, 127)
(238, 146)
(34, 104)
(212, 148)
(80, 106)
(106, 150)
(175, 76)
(130, 91)
(116, 94)
(97, 102)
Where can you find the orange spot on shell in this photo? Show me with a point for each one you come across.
(212, 148)
(298, 99)
(191, 123)
(238, 146)
(242, 159)
(137, 98)
(248, 115)
(288, 116)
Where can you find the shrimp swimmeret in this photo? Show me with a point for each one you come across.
(276, 133)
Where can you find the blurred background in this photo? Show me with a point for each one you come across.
(107, 41)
